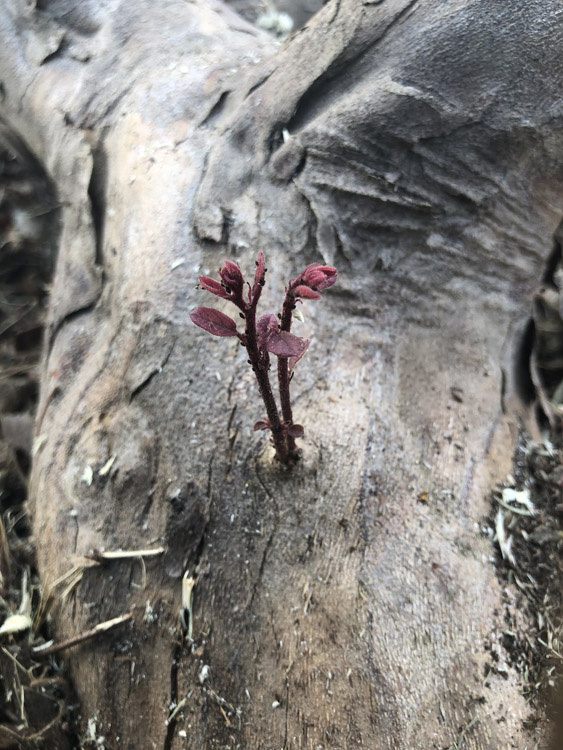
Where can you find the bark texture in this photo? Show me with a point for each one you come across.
(416, 145)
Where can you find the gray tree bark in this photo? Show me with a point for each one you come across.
(414, 144)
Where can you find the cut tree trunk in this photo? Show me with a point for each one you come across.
(351, 601)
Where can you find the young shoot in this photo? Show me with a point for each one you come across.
(266, 335)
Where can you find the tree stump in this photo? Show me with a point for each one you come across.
(415, 145)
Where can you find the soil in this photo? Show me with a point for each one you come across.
(529, 507)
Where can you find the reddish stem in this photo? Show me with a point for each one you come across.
(283, 373)
(260, 363)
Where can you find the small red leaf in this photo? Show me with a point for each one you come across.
(285, 344)
(294, 360)
(265, 326)
(295, 430)
(280, 343)
(214, 322)
(213, 286)
(262, 424)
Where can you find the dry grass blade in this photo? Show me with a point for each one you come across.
(52, 648)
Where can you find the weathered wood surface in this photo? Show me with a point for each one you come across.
(332, 607)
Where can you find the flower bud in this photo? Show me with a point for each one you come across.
(232, 278)
(305, 292)
(319, 277)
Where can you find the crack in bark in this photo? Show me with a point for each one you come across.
(265, 553)
(260, 83)
(157, 370)
(68, 318)
(75, 541)
(178, 649)
(58, 52)
(154, 476)
(216, 108)
(336, 11)
(270, 540)
(232, 437)
(503, 390)
(172, 721)
(97, 189)
(311, 241)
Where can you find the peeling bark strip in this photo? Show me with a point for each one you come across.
(417, 145)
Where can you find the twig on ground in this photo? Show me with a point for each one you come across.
(102, 627)
(123, 554)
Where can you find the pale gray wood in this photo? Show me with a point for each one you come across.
(416, 145)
